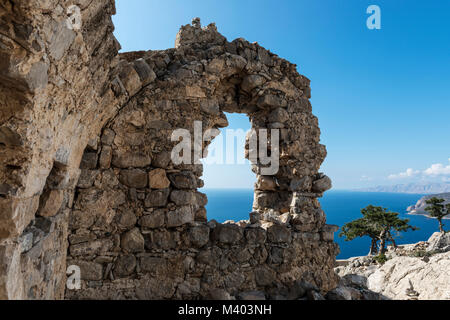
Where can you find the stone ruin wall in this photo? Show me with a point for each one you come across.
(86, 176)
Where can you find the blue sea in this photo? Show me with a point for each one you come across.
(340, 207)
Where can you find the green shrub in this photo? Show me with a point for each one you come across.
(423, 253)
(381, 258)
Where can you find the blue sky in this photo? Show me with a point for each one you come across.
(382, 96)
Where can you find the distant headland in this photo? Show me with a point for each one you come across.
(418, 188)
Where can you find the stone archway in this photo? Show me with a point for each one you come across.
(138, 225)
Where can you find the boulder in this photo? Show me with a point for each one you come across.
(439, 242)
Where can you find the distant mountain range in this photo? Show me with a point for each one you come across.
(420, 188)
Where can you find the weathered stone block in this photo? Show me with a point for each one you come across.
(228, 234)
(180, 217)
(210, 107)
(158, 179)
(201, 199)
(87, 178)
(256, 235)
(130, 79)
(78, 238)
(266, 183)
(108, 137)
(182, 198)
(105, 158)
(89, 161)
(251, 82)
(303, 184)
(265, 199)
(199, 236)
(162, 160)
(279, 234)
(153, 220)
(91, 248)
(127, 219)
(272, 101)
(279, 115)
(61, 39)
(195, 92)
(264, 276)
(131, 160)
(132, 241)
(157, 198)
(252, 296)
(146, 74)
(134, 178)
(162, 239)
(89, 270)
(50, 203)
(323, 184)
(200, 215)
(80, 219)
(125, 265)
(153, 265)
(8, 137)
(183, 180)
(218, 295)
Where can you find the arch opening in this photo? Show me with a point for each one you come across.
(229, 180)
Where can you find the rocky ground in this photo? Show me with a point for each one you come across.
(418, 271)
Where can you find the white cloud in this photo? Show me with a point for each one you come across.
(409, 173)
(438, 169)
(366, 178)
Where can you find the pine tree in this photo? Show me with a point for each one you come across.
(438, 210)
(377, 223)
(387, 222)
(361, 228)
